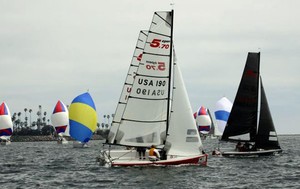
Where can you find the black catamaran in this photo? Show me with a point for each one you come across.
(250, 120)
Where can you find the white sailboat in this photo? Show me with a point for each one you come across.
(60, 121)
(157, 111)
(6, 125)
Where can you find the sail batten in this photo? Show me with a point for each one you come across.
(143, 75)
(154, 54)
(147, 98)
(159, 34)
(143, 121)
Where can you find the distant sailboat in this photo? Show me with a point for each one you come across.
(6, 125)
(223, 108)
(250, 120)
(203, 121)
(158, 110)
(60, 121)
(82, 119)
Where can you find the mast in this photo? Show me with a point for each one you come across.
(253, 134)
(170, 74)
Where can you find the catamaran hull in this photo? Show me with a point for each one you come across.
(251, 153)
(130, 158)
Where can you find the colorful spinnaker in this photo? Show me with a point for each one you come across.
(6, 125)
(223, 108)
(60, 119)
(82, 118)
(203, 120)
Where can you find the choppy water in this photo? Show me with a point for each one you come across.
(48, 165)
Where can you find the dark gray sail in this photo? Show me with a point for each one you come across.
(243, 116)
(266, 136)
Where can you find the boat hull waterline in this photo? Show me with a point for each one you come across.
(251, 153)
(130, 159)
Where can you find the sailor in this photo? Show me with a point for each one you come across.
(216, 152)
(247, 146)
(153, 154)
(239, 147)
(141, 150)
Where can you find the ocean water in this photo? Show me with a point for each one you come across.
(48, 165)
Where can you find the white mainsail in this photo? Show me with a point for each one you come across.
(145, 117)
(137, 56)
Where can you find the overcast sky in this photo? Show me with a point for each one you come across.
(57, 49)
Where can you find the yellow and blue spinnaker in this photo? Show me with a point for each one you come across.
(82, 118)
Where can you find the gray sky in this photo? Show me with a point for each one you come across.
(57, 49)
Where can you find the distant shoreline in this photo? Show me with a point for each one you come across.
(288, 134)
(17, 138)
(49, 138)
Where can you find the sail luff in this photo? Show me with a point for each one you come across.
(170, 75)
